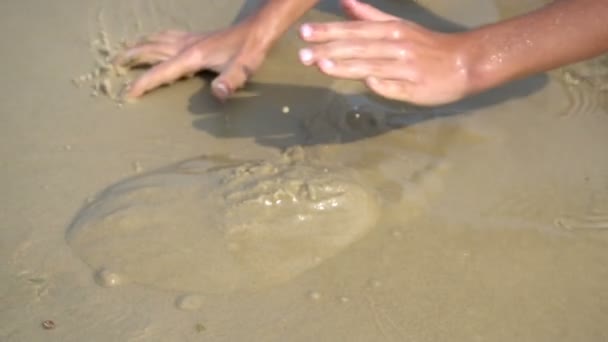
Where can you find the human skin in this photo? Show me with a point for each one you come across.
(395, 58)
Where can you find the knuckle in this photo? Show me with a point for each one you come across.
(192, 53)
(247, 67)
(319, 28)
(322, 51)
(396, 29)
(403, 49)
(246, 72)
(414, 75)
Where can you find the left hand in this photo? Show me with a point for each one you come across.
(397, 59)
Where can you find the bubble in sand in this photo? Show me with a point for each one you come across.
(314, 295)
(105, 278)
(189, 302)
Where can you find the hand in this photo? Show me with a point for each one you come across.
(233, 53)
(397, 59)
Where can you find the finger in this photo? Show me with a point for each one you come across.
(363, 68)
(234, 77)
(347, 30)
(145, 54)
(170, 71)
(166, 37)
(355, 49)
(361, 11)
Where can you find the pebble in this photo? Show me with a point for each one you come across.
(105, 278)
(397, 234)
(189, 302)
(285, 109)
(234, 247)
(314, 295)
(137, 167)
(375, 283)
(105, 87)
(48, 325)
(344, 299)
(200, 327)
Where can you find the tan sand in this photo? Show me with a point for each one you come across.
(493, 212)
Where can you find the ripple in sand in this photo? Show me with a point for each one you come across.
(586, 85)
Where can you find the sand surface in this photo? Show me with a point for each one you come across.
(485, 220)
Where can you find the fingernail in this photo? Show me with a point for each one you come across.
(306, 31)
(306, 56)
(221, 90)
(326, 64)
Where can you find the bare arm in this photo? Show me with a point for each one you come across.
(275, 17)
(561, 33)
(405, 61)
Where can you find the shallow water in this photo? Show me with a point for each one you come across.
(494, 215)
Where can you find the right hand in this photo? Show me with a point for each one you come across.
(234, 53)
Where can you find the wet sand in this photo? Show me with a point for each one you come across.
(495, 217)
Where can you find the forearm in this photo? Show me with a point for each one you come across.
(274, 18)
(561, 33)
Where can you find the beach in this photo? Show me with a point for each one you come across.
(483, 220)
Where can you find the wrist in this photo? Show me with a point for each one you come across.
(496, 55)
(486, 66)
(262, 32)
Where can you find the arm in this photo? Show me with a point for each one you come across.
(564, 32)
(235, 53)
(276, 16)
(404, 61)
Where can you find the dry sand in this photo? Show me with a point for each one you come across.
(494, 211)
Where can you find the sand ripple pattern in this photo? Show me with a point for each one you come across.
(594, 217)
(586, 85)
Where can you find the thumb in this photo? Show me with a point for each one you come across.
(360, 11)
(232, 78)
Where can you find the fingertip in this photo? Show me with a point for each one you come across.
(140, 85)
(306, 31)
(326, 64)
(328, 67)
(129, 99)
(220, 90)
(306, 56)
(364, 11)
(376, 85)
(130, 94)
